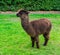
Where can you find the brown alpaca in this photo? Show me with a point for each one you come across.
(35, 28)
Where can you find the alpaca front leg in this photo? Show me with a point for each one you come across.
(32, 43)
(32, 39)
(37, 42)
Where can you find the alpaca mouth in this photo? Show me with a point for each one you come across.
(17, 15)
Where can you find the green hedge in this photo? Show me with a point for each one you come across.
(14, 5)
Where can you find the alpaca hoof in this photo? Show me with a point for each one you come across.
(44, 44)
(32, 46)
(37, 47)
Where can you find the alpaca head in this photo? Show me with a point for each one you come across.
(23, 14)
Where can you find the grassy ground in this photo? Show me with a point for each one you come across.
(15, 41)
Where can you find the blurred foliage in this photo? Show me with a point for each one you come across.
(33, 5)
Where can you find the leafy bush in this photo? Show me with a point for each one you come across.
(14, 5)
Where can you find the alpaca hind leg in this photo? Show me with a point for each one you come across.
(46, 36)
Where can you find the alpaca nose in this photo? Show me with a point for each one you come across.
(17, 15)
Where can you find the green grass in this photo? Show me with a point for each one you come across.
(15, 41)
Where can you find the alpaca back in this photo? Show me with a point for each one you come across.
(41, 26)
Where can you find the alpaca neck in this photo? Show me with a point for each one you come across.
(25, 23)
(28, 27)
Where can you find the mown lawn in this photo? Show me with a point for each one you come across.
(15, 41)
